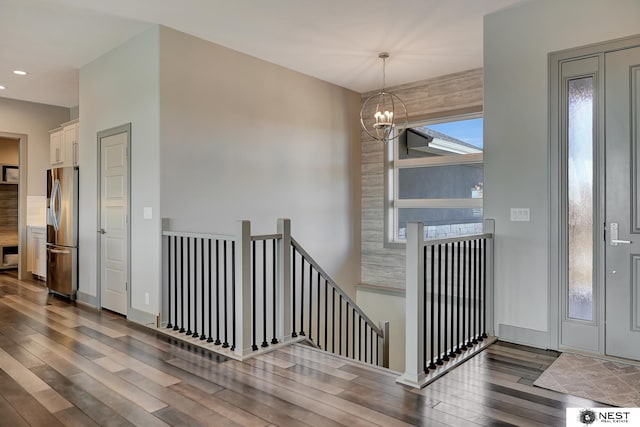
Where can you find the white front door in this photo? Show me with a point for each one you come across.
(114, 229)
(622, 118)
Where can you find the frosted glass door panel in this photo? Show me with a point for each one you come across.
(580, 198)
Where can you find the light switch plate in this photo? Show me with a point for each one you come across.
(520, 214)
(147, 212)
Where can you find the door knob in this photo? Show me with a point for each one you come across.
(101, 231)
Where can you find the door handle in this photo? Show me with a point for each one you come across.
(614, 236)
(101, 231)
(615, 242)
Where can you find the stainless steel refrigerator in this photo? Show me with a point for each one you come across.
(62, 231)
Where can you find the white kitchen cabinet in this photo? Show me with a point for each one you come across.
(37, 251)
(55, 147)
(64, 145)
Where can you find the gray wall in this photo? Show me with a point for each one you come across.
(234, 137)
(242, 138)
(516, 43)
(441, 96)
(123, 87)
(34, 120)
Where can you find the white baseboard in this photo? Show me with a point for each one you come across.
(517, 335)
(142, 317)
(90, 300)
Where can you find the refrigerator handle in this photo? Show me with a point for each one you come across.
(56, 200)
(58, 251)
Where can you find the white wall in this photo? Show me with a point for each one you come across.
(242, 138)
(118, 88)
(516, 43)
(34, 120)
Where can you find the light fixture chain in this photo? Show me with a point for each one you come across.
(384, 73)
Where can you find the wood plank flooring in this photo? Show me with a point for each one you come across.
(64, 365)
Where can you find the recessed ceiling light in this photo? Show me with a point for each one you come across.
(20, 72)
(2, 87)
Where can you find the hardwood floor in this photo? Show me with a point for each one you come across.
(63, 365)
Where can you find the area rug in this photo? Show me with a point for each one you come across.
(600, 380)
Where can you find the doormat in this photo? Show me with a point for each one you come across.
(600, 380)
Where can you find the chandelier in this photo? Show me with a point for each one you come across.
(380, 123)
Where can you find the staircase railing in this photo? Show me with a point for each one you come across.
(242, 295)
(449, 295)
(339, 325)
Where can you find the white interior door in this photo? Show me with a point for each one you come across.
(114, 229)
(622, 116)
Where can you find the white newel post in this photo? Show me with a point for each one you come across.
(283, 288)
(489, 226)
(414, 375)
(243, 312)
(165, 291)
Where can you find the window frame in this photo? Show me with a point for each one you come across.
(393, 164)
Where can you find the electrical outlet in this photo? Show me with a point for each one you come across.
(520, 214)
(146, 298)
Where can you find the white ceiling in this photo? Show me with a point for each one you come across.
(333, 40)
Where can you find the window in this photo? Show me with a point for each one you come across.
(435, 175)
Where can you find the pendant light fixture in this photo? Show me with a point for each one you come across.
(390, 111)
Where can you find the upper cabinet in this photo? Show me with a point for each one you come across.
(64, 145)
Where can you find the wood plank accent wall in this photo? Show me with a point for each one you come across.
(453, 94)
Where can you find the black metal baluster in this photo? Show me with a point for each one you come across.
(293, 291)
(264, 295)
(318, 311)
(439, 305)
(169, 325)
(274, 340)
(202, 315)
(377, 350)
(333, 319)
(233, 295)
(432, 365)
(189, 286)
(346, 340)
(470, 297)
(463, 306)
(195, 288)
(366, 352)
(480, 296)
(218, 309)
(326, 313)
(225, 344)
(458, 350)
(372, 332)
(484, 286)
(310, 301)
(425, 312)
(445, 355)
(340, 326)
(476, 296)
(182, 269)
(353, 333)
(302, 260)
(452, 352)
(359, 336)
(210, 270)
(254, 302)
(175, 283)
